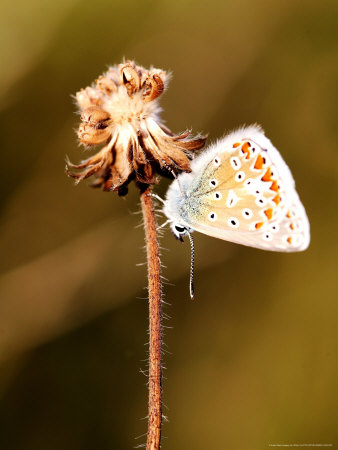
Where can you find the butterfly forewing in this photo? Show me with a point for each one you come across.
(245, 193)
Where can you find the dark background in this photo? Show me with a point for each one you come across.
(253, 361)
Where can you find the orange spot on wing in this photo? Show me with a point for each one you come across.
(245, 149)
(288, 215)
(276, 199)
(292, 226)
(268, 213)
(274, 186)
(267, 175)
(237, 144)
(289, 239)
(259, 225)
(259, 162)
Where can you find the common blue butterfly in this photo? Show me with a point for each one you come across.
(240, 190)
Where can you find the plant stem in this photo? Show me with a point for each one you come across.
(155, 323)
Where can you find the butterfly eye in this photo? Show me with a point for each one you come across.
(180, 229)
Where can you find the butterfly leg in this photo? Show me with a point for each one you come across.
(163, 224)
(157, 197)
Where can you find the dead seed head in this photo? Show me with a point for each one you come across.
(121, 111)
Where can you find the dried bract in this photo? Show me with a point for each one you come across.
(121, 111)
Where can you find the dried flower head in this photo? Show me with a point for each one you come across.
(121, 111)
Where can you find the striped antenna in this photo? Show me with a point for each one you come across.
(191, 284)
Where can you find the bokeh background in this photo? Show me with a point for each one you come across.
(253, 361)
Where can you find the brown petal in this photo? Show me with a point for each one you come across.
(190, 144)
(117, 179)
(138, 153)
(142, 167)
(106, 84)
(93, 136)
(130, 78)
(181, 136)
(146, 174)
(166, 130)
(96, 117)
(170, 152)
(154, 87)
(103, 179)
(178, 160)
(90, 161)
(149, 174)
(163, 156)
(86, 173)
(122, 165)
(89, 97)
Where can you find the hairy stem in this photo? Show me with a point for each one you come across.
(155, 323)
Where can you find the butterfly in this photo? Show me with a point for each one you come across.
(240, 190)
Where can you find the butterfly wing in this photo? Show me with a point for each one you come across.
(242, 191)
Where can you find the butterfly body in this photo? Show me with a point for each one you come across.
(240, 190)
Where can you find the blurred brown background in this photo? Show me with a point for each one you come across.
(253, 361)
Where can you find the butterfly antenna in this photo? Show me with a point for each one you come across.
(192, 263)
